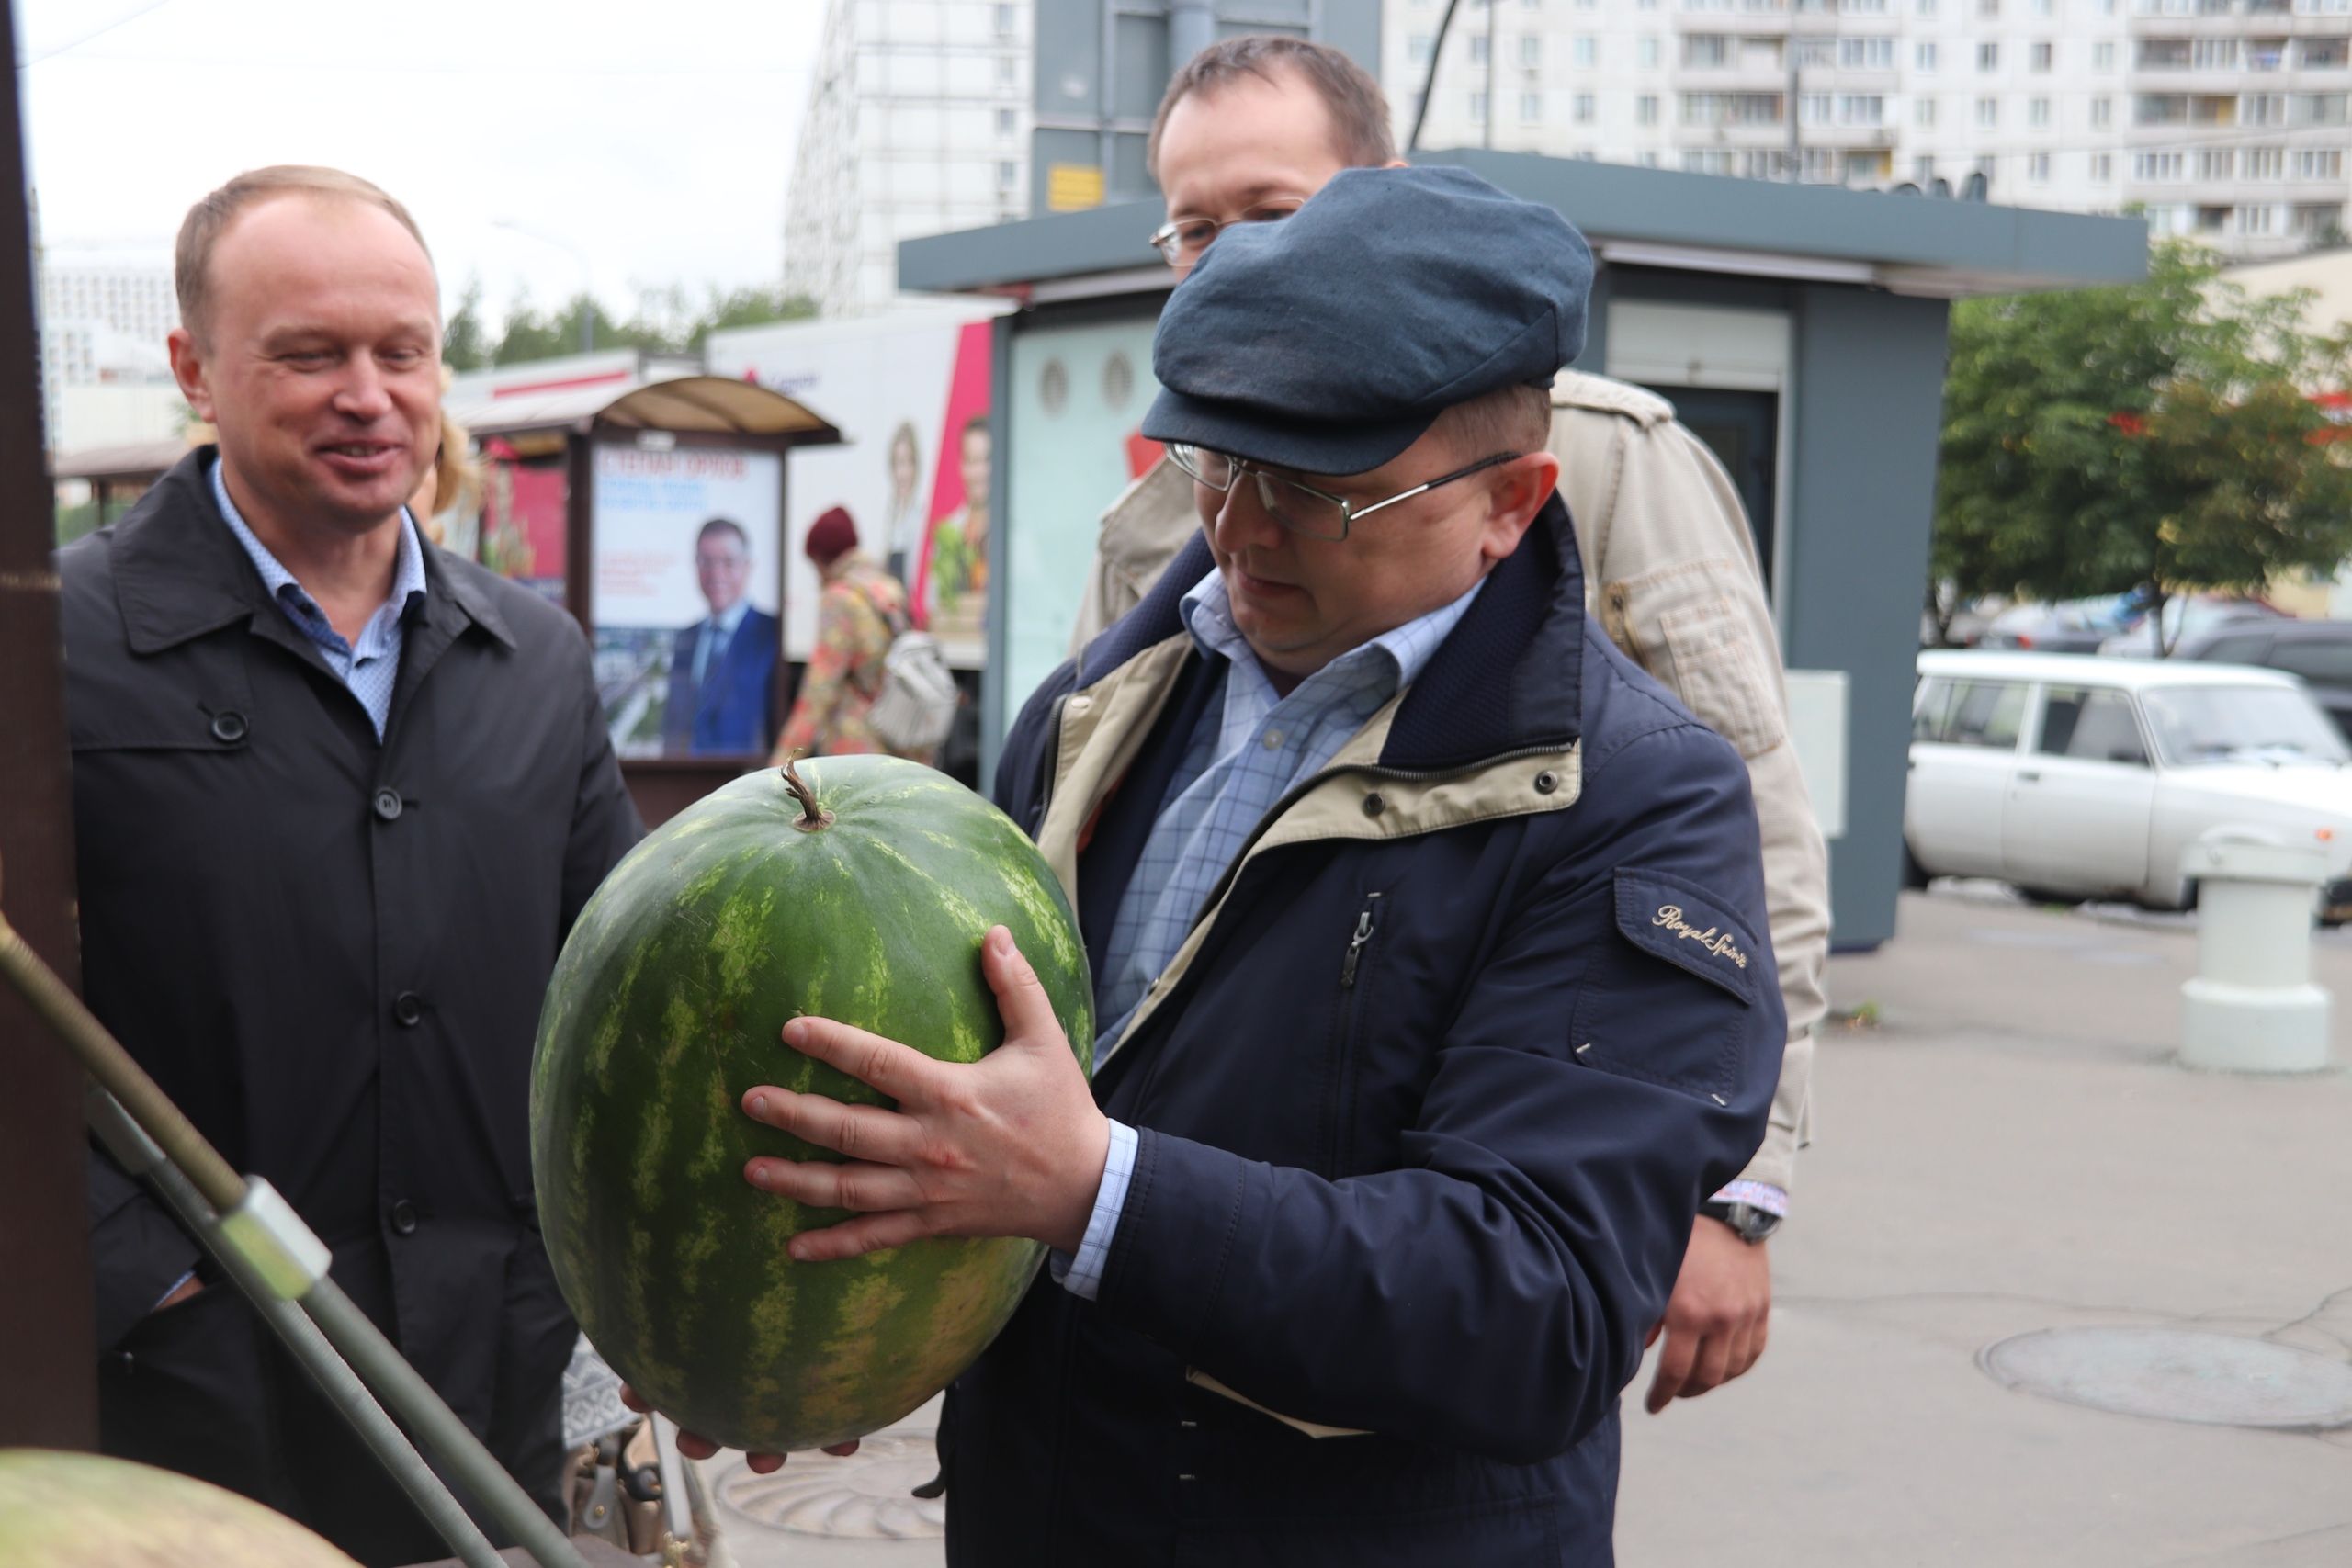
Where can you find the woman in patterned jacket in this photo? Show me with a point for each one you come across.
(860, 610)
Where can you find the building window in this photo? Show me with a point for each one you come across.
(1922, 170)
(1866, 53)
(1988, 7)
(1587, 110)
(2157, 168)
(1815, 109)
(2256, 220)
(2103, 57)
(1004, 122)
(2042, 56)
(2214, 54)
(1923, 58)
(1588, 51)
(2037, 114)
(1008, 173)
(1923, 113)
(1988, 57)
(1862, 108)
(2037, 168)
(2319, 221)
(1478, 108)
(2263, 164)
(1531, 49)
(2102, 113)
(1648, 51)
(2322, 54)
(2317, 164)
(1530, 105)
(1988, 112)
(1418, 47)
(1707, 52)
(1005, 19)
(1646, 110)
(2214, 164)
(1478, 42)
(2102, 168)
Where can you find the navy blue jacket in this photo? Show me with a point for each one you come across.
(731, 711)
(1426, 1111)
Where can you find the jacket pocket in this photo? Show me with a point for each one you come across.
(1639, 1012)
(1702, 628)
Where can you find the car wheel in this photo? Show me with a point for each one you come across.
(1915, 875)
(2048, 895)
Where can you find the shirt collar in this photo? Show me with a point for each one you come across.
(408, 572)
(1405, 650)
(731, 617)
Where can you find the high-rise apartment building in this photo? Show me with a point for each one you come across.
(918, 122)
(2223, 118)
(103, 316)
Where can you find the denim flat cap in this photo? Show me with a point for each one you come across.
(1329, 342)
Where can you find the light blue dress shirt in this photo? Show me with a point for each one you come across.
(1242, 760)
(717, 632)
(369, 667)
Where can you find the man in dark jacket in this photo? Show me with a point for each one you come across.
(1430, 956)
(338, 797)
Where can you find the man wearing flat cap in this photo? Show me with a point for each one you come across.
(1429, 944)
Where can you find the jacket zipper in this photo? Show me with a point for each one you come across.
(1364, 923)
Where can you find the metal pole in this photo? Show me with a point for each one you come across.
(48, 1362)
(1429, 82)
(1492, 11)
(137, 1155)
(412, 1399)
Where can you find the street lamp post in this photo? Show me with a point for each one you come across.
(587, 277)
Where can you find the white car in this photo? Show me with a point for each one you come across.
(2076, 777)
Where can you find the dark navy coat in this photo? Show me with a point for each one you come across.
(1425, 1111)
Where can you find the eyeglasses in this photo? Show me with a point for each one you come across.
(1180, 241)
(1301, 508)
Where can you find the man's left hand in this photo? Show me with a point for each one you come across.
(1716, 1319)
(1011, 1145)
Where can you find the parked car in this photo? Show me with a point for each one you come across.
(2070, 626)
(2320, 651)
(2074, 777)
(2187, 617)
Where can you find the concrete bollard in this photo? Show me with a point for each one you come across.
(2253, 1007)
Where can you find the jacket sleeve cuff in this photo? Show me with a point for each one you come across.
(1185, 1205)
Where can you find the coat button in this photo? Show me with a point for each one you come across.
(404, 1218)
(1374, 804)
(1546, 782)
(228, 726)
(388, 803)
(408, 1010)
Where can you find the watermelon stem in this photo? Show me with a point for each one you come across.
(815, 818)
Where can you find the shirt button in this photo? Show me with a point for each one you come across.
(228, 726)
(1273, 740)
(388, 803)
(404, 1218)
(408, 1010)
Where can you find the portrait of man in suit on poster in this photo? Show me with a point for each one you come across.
(722, 668)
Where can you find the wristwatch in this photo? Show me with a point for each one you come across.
(1750, 1224)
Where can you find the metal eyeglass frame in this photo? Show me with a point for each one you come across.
(1166, 239)
(1187, 457)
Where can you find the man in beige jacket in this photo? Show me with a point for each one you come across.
(1248, 129)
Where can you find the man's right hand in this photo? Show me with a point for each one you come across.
(695, 1446)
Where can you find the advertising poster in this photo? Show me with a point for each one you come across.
(524, 533)
(682, 598)
(910, 393)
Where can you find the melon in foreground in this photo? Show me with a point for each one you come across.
(68, 1510)
(864, 899)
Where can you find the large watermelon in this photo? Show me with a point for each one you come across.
(62, 1510)
(866, 903)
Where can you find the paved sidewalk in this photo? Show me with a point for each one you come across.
(2009, 1149)
(2013, 1149)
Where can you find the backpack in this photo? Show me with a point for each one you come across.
(916, 706)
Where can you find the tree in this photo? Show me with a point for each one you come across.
(465, 341)
(664, 322)
(747, 308)
(2158, 436)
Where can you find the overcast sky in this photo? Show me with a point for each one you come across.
(653, 136)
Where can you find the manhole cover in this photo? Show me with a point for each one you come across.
(2178, 1374)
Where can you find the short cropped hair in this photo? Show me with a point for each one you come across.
(725, 526)
(1509, 419)
(201, 230)
(1360, 130)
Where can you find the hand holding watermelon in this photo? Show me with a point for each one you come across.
(1010, 1146)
